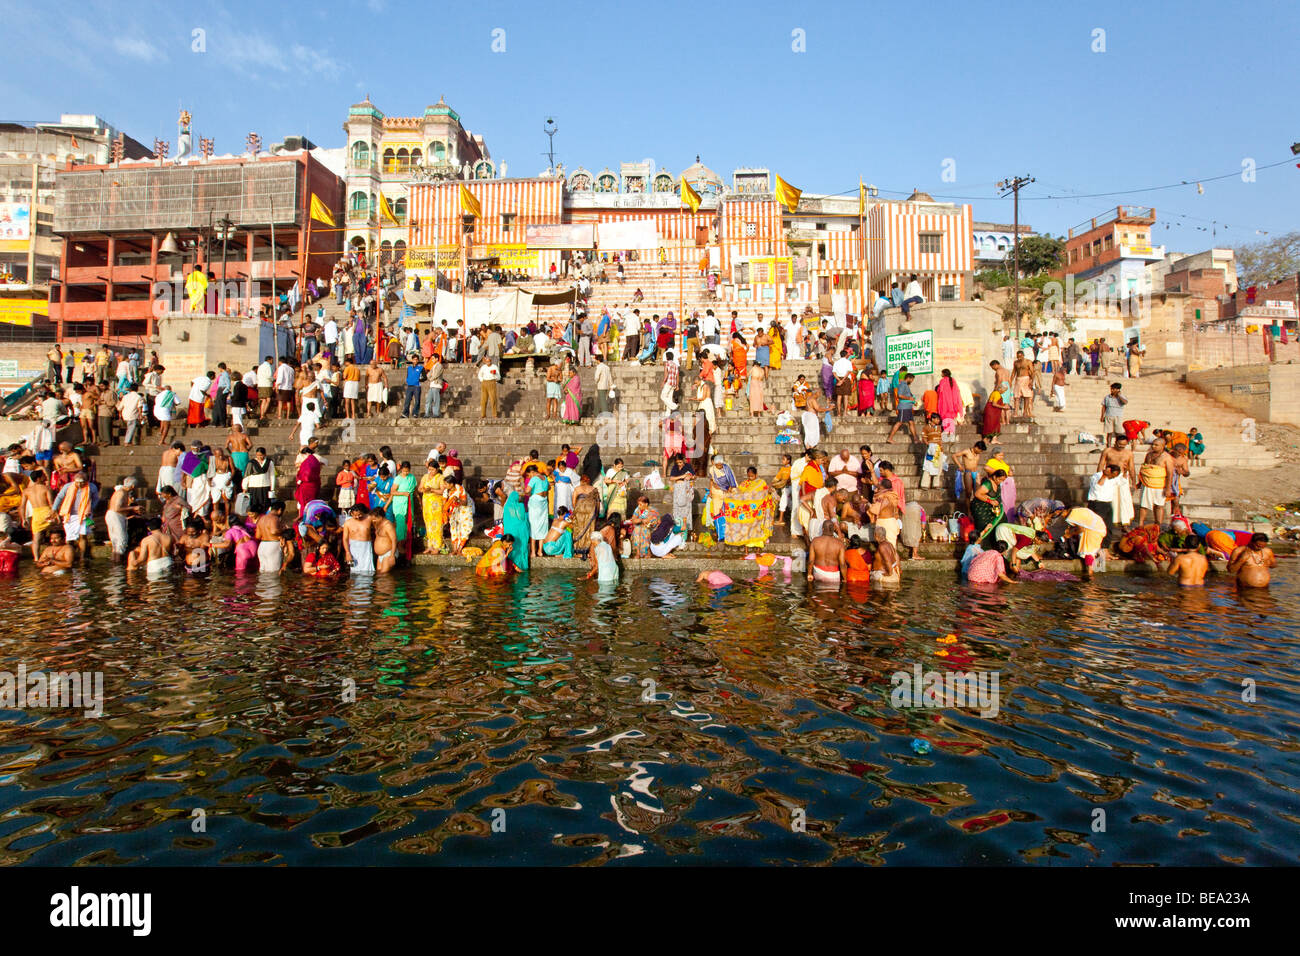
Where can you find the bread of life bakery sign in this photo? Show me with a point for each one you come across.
(913, 349)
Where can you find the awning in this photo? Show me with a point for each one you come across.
(554, 298)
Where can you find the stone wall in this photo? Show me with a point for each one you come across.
(1267, 393)
(967, 336)
(192, 344)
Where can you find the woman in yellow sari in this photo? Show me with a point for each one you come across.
(433, 489)
(778, 347)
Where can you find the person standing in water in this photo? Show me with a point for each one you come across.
(1251, 563)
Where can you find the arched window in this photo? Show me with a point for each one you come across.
(360, 153)
(399, 209)
(374, 203)
(357, 205)
(390, 161)
(417, 157)
(399, 250)
(358, 242)
(386, 249)
(403, 160)
(439, 152)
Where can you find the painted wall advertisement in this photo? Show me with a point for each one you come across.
(560, 235)
(913, 349)
(15, 226)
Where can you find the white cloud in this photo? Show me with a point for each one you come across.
(138, 48)
(256, 55)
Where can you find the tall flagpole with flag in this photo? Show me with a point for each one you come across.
(468, 204)
(691, 199)
(788, 197)
(862, 254)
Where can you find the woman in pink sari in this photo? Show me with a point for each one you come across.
(308, 480)
(572, 409)
(951, 407)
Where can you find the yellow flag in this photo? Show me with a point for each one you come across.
(386, 211)
(321, 212)
(862, 198)
(690, 197)
(787, 195)
(468, 203)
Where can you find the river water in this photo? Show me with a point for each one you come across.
(432, 717)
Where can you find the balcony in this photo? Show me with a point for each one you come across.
(1137, 215)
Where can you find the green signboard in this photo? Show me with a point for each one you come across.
(913, 349)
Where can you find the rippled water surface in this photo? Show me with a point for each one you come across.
(547, 721)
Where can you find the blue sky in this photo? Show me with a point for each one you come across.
(883, 91)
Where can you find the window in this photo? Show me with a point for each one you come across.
(360, 154)
(931, 242)
(1109, 243)
(399, 209)
(947, 293)
(751, 230)
(357, 205)
(506, 218)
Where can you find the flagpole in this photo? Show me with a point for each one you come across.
(862, 258)
(275, 302)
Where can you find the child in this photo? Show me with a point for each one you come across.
(345, 482)
(883, 392)
(1195, 445)
(933, 465)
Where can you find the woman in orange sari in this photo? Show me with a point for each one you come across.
(739, 360)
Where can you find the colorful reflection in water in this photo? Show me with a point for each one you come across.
(434, 717)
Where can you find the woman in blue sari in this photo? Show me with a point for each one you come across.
(539, 509)
(382, 489)
(360, 345)
(514, 522)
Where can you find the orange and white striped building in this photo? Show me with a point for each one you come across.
(932, 240)
(819, 255)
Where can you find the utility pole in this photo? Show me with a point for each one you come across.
(1013, 186)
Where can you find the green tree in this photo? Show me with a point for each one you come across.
(1260, 262)
(1037, 254)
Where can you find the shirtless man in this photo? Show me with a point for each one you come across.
(154, 553)
(374, 389)
(1250, 563)
(1001, 377)
(1190, 567)
(37, 509)
(1121, 456)
(121, 508)
(171, 457)
(1153, 499)
(826, 556)
(385, 541)
(194, 546)
(270, 553)
(1025, 376)
(56, 558)
(967, 464)
(552, 390)
(239, 445)
(66, 463)
(885, 566)
(358, 545)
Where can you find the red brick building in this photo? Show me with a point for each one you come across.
(114, 219)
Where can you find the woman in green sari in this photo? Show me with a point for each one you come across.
(614, 493)
(514, 522)
(986, 507)
(400, 505)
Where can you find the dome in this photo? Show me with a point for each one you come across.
(702, 178)
(918, 196)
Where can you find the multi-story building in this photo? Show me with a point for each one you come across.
(994, 243)
(386, 155)
(1210, 273)
(131, 229)
(29, 156)
(1113, 251)
(828, 252)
